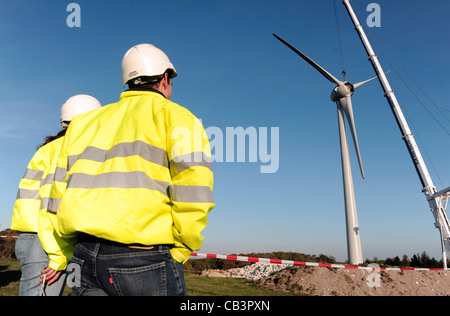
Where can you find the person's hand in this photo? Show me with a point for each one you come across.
(51, 275)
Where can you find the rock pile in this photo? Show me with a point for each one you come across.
(254, 271)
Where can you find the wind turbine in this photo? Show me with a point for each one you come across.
(342, 95)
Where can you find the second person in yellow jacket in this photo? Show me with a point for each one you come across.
(37, 246)
(59, 250)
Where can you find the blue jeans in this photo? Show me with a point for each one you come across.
(33, 260)
(117, 270)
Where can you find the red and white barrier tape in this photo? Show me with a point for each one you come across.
(312, 264)
(298, 263)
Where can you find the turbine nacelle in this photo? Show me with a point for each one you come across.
(346, 89)
(342, 91)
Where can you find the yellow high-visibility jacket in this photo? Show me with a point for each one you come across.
(34, 189)
(138, 171)
(59, 250)
(28, 202)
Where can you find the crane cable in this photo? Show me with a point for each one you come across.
(338, 29)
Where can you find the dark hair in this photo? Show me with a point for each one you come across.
(49, 139)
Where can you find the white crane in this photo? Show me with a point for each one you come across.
(437, 201)
(342, 94)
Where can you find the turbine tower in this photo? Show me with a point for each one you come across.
(342, 94)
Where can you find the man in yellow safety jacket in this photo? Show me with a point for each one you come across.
(37, 247)
(138, 185)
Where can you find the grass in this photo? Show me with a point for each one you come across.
(196, 285)
(9, 277)
(206, 286)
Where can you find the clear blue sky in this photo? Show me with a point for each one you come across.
(233, 72)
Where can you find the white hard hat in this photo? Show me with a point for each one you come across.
(145, 60)
(76, 105)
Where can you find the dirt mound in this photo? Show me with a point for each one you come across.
(348, 282)
(7, 245)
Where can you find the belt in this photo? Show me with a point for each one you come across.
(86, 238)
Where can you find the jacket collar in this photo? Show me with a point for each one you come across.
(146, 89)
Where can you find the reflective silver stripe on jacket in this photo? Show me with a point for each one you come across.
(139, 148)
(32, 174)
(44, 202)
(132, 180)
(184, 162)
(59, 175)
(127, 180)
(146, 151)
(52, 205)
(191, 194)
(48, 179)
(28, 194)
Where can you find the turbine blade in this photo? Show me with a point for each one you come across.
(347, 106)
(325, 73)
(357, 85)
